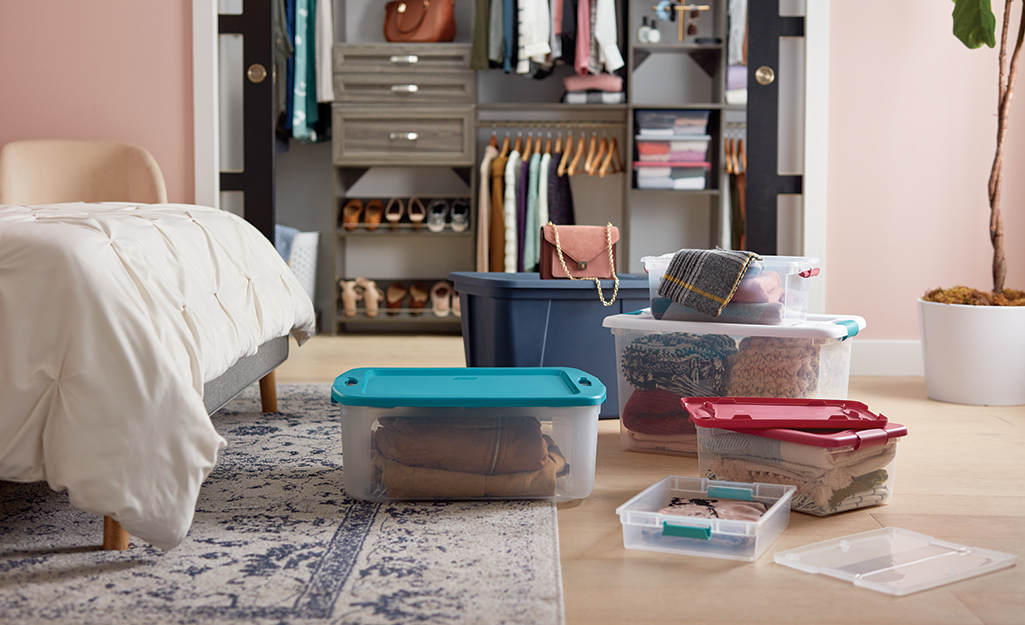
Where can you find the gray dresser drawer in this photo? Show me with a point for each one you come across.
(406, 88)
(401, 57)
(402, 135)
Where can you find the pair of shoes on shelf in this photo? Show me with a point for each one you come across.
(395, 297)
(395, 210)
(360, 290)
(371, 213)
(441, 211)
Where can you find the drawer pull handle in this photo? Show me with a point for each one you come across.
(405, 88)
(408, 136)
(405, 58)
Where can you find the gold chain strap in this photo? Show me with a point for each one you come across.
(597, 282)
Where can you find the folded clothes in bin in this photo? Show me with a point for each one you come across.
(841, 457)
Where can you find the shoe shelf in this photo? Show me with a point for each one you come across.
(397, 302)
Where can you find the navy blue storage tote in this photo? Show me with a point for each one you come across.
(520, 320)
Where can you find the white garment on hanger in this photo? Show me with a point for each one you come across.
(534, 22)
(484, 208)
(512, 177)
(325, 40)
(605, 34)
(542, 189)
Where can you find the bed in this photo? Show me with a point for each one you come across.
(122, 326)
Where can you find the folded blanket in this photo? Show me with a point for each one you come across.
(766, 366)
(705, 280)
(767, 314)
(406, 482)
(655, 411)
(683, 444)
(762, 449)
(474, 445)
(686, 365)
(765, 287)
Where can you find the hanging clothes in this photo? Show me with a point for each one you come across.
(325, 39)
(512, 175)
(484, 208)
(532, 227)
(496, 245)
(522, 192)
(481, 35)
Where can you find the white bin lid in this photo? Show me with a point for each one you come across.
(816, 326)
(894, 560)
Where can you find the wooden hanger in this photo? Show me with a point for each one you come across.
(505, 145)
(558, 143)
(518, 147)
(599, 158)
(611, 163)
(548, 144)
(589, 161)
(742, 166)
(729, 156)
(494, 139)
(530, 146)
(581, 147)
(566, 156)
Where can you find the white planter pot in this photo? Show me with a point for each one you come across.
(973, 354)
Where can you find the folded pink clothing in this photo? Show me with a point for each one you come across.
(727, 509)
(759, 289)
(601, 82)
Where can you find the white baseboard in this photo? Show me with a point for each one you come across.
(890, 358)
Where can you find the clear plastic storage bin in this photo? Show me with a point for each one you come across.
(650, 524)
(675, 175)
(469, 433)
(661, 362)
(841, 457)
(774, 291)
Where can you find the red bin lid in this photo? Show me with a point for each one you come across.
(734, 413)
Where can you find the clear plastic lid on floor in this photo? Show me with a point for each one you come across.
(895, 561)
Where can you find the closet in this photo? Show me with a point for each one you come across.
(457, 112)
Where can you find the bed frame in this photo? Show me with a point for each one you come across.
(217, 393)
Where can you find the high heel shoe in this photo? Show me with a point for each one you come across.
(394, 211)
(372, 296)
(372, 214)
(437, 215)
(351, 213)
(417, 212)
(350, 296)
(418, 294)
(394, 297)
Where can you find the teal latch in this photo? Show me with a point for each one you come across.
(634, 312)
(701, 533)
(729, 492)
(852, 327)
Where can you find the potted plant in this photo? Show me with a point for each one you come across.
(973, 342)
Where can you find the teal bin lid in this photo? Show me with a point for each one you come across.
(470, 387)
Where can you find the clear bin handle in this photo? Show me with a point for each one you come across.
(701, 533)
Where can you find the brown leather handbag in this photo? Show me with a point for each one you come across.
(420, 21)
(580, 253)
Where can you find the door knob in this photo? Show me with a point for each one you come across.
(764, 75)
(256, 73)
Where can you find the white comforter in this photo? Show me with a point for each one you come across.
(112, 317)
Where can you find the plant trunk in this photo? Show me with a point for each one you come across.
(1005, 93)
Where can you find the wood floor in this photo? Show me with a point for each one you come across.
(960, 477)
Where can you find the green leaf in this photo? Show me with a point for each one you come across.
(974, 23)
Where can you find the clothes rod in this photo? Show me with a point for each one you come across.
(542, 125)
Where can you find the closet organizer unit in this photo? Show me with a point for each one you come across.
(676, 200)
(403, 126)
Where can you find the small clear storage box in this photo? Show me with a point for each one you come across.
(774, 291)
(658, 363)
(468, 433)
(646, 528)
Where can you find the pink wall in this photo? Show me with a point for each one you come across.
(104, 69)
(912, 129)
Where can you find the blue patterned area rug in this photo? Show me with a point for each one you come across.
(276, 541)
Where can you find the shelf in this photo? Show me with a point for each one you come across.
(675, 192)
(403, 230)
(674, 46)
(686, 106)
(519, 107)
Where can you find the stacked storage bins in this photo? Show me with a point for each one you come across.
(672, 150)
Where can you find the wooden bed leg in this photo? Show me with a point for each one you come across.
(268, 393)
(115, 538)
